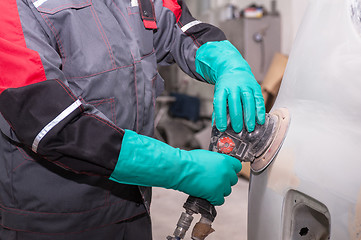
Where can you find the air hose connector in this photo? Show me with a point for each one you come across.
(203, 228)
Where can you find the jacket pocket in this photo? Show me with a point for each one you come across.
(76, 27)
(107, 106)
(54, 6)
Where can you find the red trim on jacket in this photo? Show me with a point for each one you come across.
(19, 65)
(150, 24)
(174, 6)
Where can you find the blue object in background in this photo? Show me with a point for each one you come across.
(185, 106)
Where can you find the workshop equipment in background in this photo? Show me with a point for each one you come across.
(257, 39)
(185, 106)
(258, 147)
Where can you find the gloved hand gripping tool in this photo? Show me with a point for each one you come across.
(258, 147)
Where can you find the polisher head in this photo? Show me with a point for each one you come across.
(282, 123)
(258, 147)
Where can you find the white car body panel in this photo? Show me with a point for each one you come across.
(321, 155)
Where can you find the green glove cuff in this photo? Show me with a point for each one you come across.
(146, 161)
(138, 155)
(216, 58)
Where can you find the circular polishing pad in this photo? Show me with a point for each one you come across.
(262, 161)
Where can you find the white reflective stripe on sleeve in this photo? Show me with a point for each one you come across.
(134, 3)
(37, 3)
(189, 25)
(53, 123)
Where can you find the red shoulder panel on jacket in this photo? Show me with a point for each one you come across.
(174, 6)
(19, 65)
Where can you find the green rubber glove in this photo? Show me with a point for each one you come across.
(221, 64)
(148, 162)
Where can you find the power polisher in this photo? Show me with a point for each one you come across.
(258, 147)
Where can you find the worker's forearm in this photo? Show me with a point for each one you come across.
(50, 121)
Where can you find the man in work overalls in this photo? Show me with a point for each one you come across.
(78, 83)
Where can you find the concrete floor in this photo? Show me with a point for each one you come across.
(230, 223)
